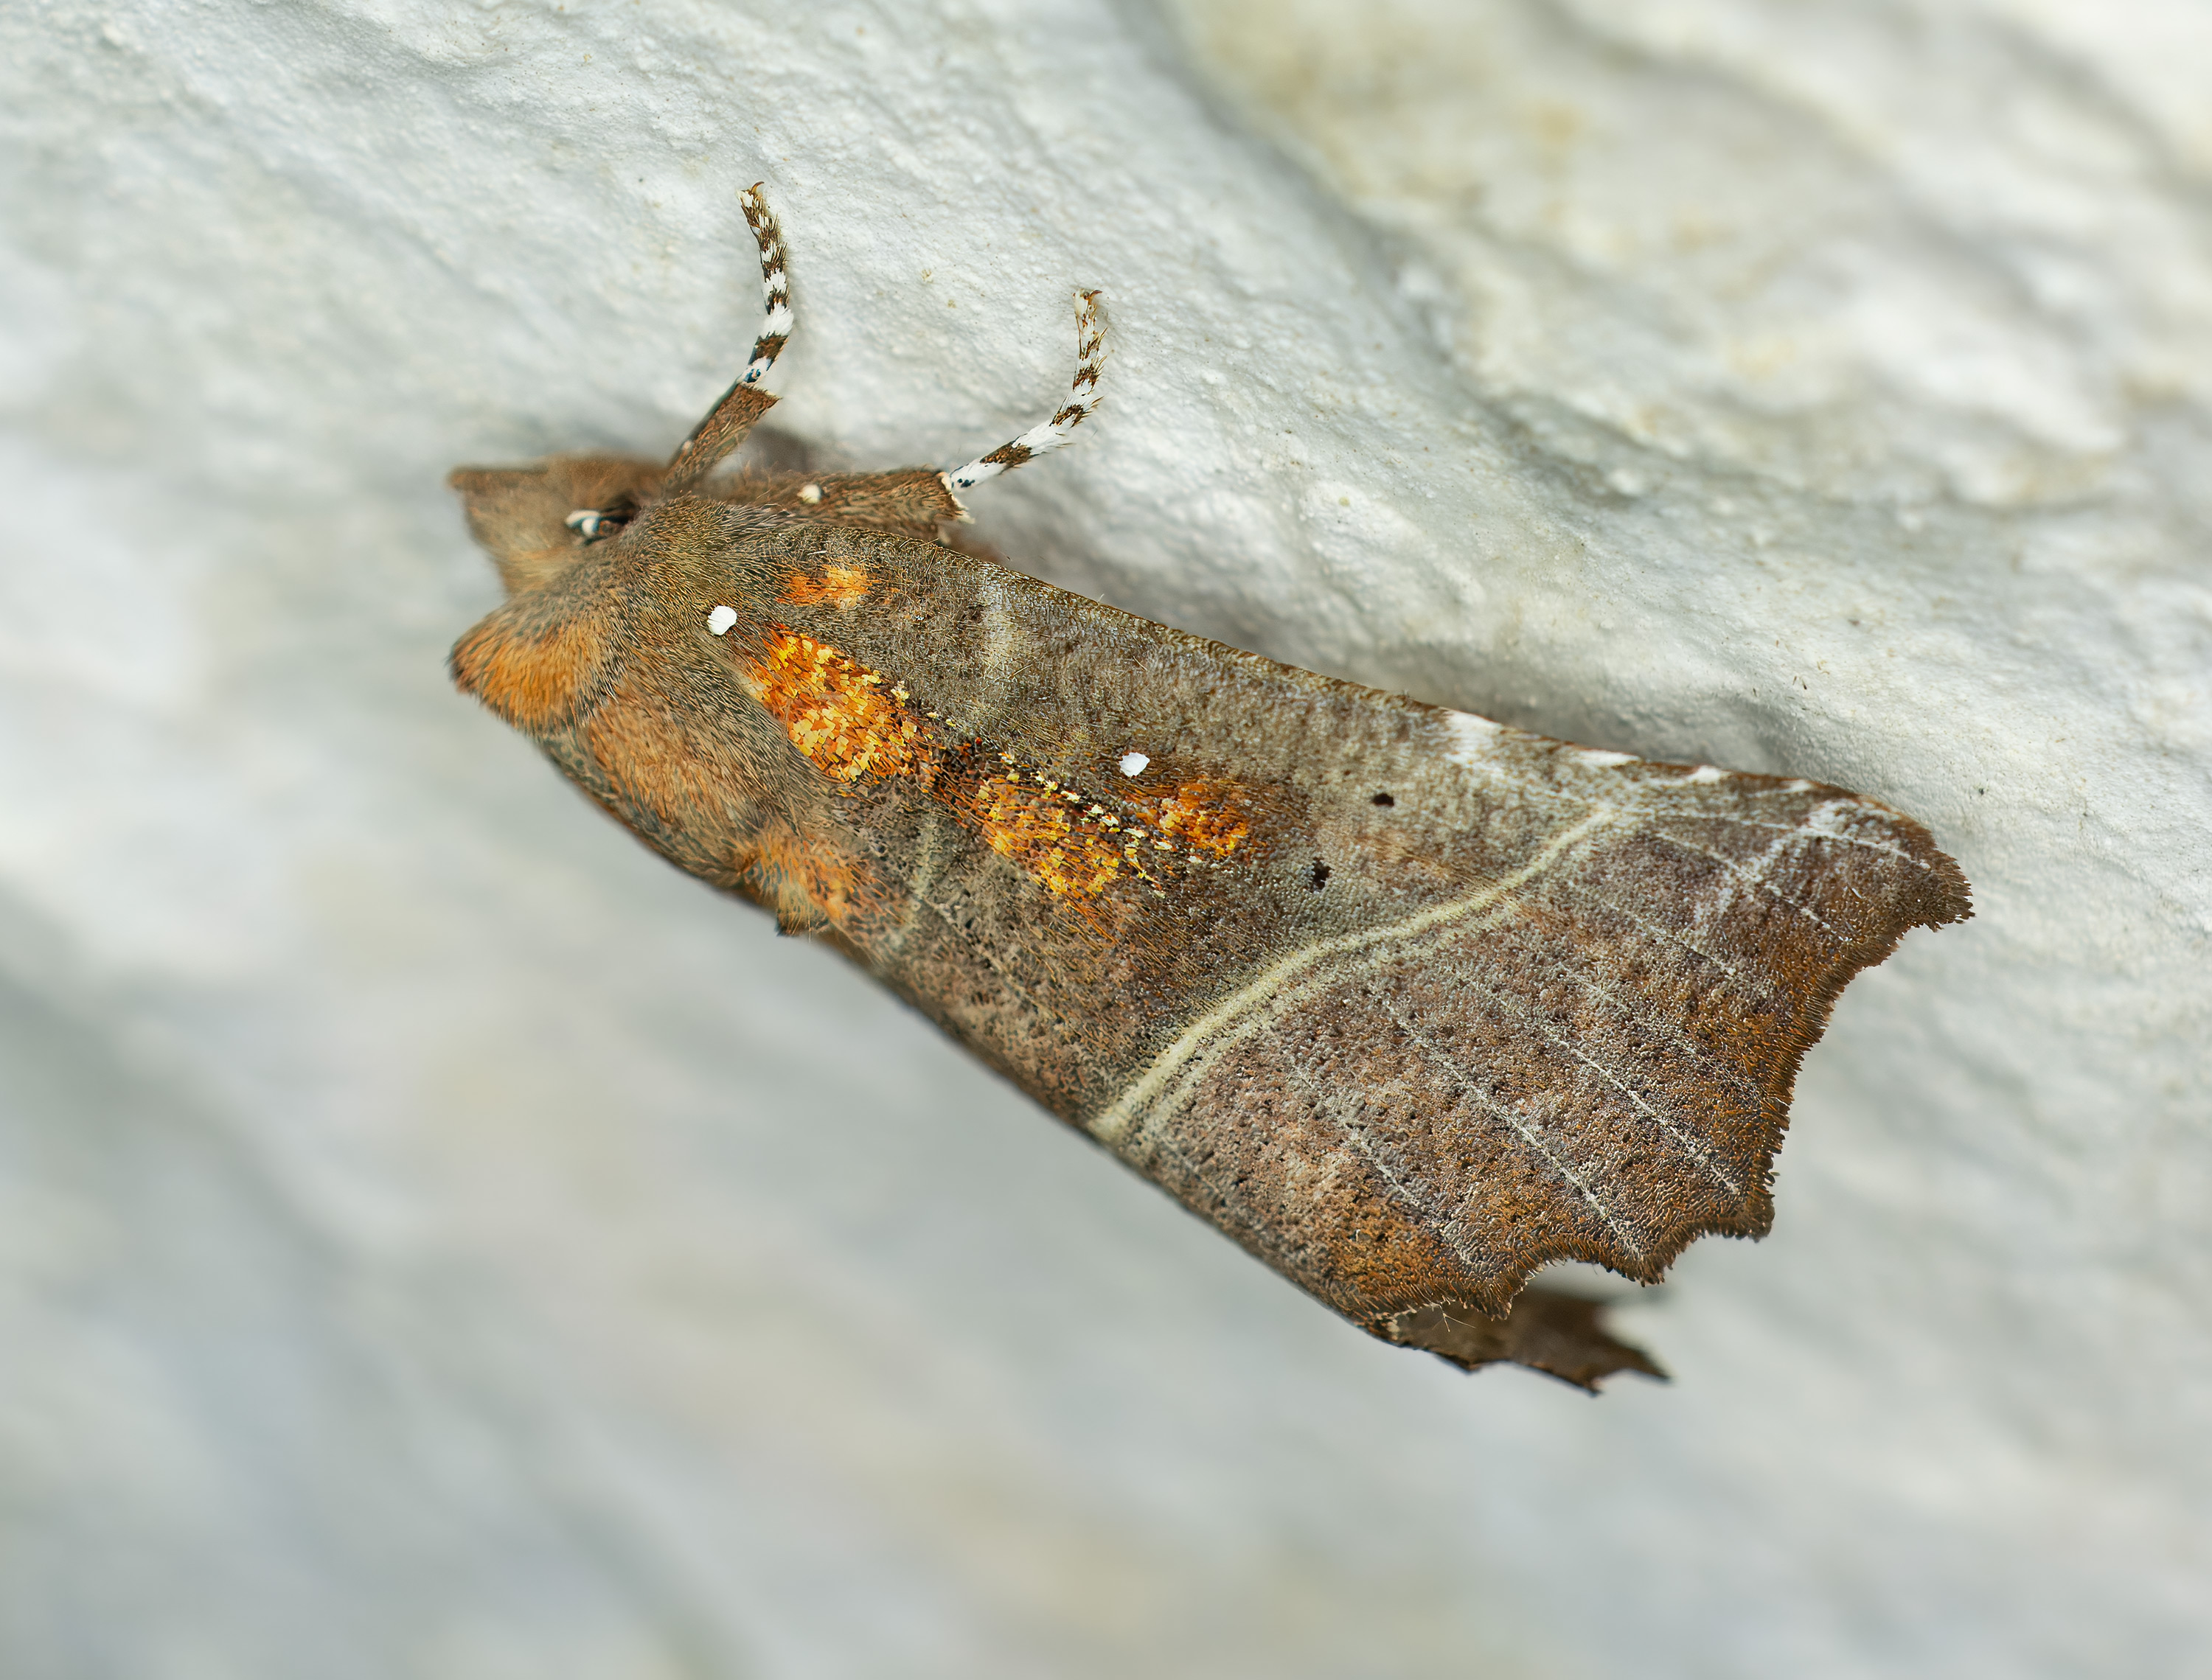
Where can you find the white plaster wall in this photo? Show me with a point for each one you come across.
(436, 1240)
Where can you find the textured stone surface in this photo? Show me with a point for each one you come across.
(435, 1238)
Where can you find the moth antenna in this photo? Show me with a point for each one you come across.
(775, 285)
(729, 419)
(1082, 398)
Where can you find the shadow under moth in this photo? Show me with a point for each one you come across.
(1407, 1003)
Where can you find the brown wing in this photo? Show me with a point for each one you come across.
(1589, 1059)
(1546, 1005)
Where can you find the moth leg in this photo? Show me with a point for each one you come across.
(1082, 398)
(729, 419)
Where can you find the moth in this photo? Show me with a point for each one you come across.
(1407, 1003)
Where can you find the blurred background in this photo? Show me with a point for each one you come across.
(438, 1240)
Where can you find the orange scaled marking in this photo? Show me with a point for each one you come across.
(853, 722)
(844, 717)
(1035, 824)
(1206, 815)
(838, 586)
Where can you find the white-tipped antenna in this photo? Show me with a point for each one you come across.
(1082, 398)
(775, 285)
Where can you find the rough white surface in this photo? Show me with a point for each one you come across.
(437, 1240)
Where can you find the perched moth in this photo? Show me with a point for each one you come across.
(1407, 1003)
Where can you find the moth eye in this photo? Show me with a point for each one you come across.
(595, 525)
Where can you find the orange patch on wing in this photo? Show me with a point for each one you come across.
(851, 722)
(1049, 836)
(847, 720)
(1210, 815)
(838, 586)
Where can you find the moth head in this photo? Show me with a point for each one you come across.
(538, 659)
(537, 522)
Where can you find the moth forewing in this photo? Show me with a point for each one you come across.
(1376, 968)
(1409, 1003)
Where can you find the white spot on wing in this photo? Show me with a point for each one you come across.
(1597, 758)
(1470, 736)
(810, 492)
(1706, 773)
(1133, 764)
(722, 618)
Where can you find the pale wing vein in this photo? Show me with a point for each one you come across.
(1755, 877)
(1214, 1030)
(1675, 938)
(1450, 1229)
(1529, 786)
(1511, 1007)
(1474, 1088)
